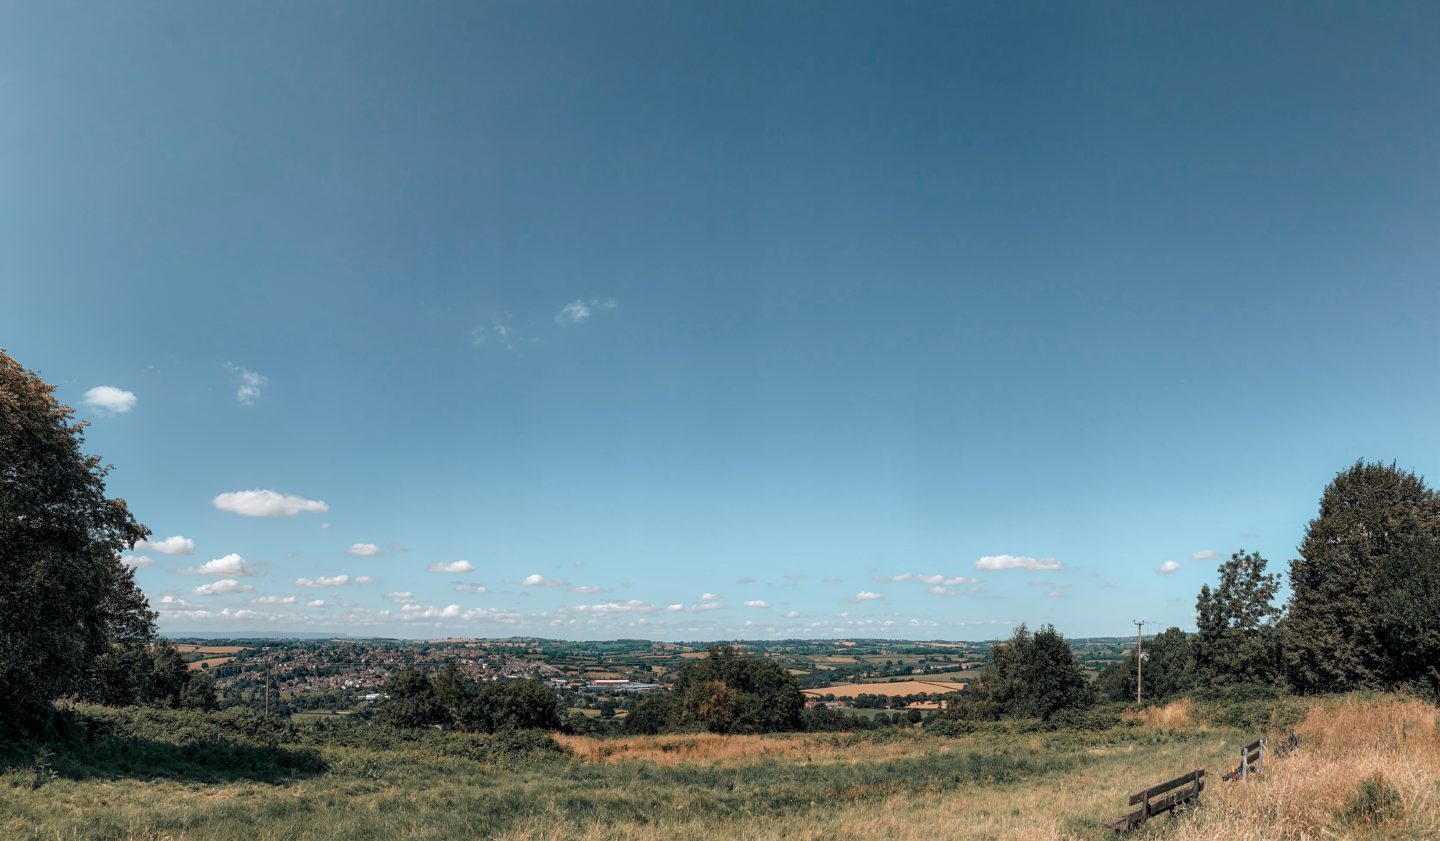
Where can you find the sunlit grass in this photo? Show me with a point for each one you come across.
(898, 784)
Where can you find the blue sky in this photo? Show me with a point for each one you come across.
(683, 320)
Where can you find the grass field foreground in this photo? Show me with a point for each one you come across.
(999, 782)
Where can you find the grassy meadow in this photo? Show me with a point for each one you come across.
(149, 774)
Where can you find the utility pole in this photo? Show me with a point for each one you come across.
(1139, 661)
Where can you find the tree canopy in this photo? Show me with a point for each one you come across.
(1235, 639)
(65, 597)
(1374, 521)
(732, 692)
(1033, 675)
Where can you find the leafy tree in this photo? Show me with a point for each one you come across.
(511, 705)
(652, 715)
(411, 701)
(1030, 676)
(1169, 670)
(1236, 640)
(1407, 618)
(732, 692)
(64, 595)
(1371, 516)
(198, 692)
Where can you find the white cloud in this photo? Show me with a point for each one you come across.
(315, 603)
(243, 613)
(174, 545)
(250, 384)
(411, 612)
(709, 597)
(453, 566)
(1001, 562)
(631, 606)
(946, 580)
(578, 312)
(937, 590)
(265, 503)
(1169, 567)
(108, 398)
(757, 603)
(136, 561)
(221, 587)
(701, 606)
(587, 588)
(322, 581)
(535, 579)
(171, 602)
(791, 614)
(364, 550)
(467, 587)
(230, 565)
(1202, 555)
(401, 597)
(866, 596)
(273, 600)
(674, 607)
(364, 579)
(500, 334)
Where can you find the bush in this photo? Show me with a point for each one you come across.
(829, 720)
(1375, 802)
(1247, 706)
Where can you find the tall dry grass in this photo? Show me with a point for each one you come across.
(1312, 794)
(1175, 715)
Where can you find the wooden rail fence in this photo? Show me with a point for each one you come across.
(1252, 760)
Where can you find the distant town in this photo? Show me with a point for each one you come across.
(601, 680)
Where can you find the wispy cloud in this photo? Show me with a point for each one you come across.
(1202, 555)
(364, 550)
(251, 382)
(266, 503)
(500, 332)
(1169, 567)
(137, 561)
(757, 603)
(322, 581)
(867, 596)
(578, 312)
(108, 398)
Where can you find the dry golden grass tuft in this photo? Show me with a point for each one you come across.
(711, 747)
(1312, 794)
(1175, 714)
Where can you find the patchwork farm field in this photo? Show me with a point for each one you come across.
(899, 688)
(164, 775)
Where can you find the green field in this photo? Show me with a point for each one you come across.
(149, 775)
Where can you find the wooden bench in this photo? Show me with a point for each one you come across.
(1177, 793)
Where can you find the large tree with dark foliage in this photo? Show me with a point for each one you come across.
(732, 692)
(1235, 640)
(1373, 525)
(65, 597)
(1030, 676)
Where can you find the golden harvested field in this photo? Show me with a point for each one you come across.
(209, 662)
(186, 648)
(904, 687)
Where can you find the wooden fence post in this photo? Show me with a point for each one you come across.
(1260, 762)
(1244, 763)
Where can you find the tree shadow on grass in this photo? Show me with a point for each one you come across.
(209, 761)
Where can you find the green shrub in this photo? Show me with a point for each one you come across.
(1375, 802)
